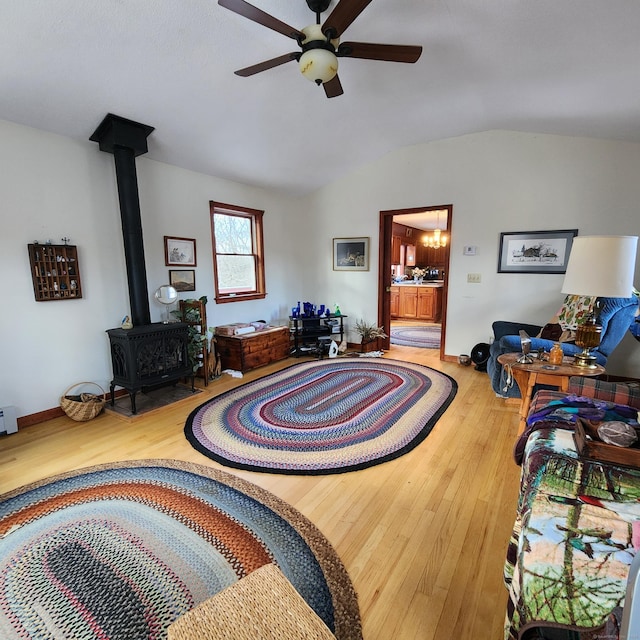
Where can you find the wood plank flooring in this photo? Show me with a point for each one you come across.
(423, 537)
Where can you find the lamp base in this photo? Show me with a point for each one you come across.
(587, 338)
(585, 359)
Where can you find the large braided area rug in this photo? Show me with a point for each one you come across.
(425, 337)
(322, 416)
(120, 551)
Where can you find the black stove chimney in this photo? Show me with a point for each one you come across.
(126, 139)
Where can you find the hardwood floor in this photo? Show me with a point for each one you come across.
(423, 537)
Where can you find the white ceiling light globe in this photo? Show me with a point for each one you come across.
(318, 65)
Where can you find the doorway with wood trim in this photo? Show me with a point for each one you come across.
(419, 227)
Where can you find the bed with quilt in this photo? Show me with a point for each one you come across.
(577, 525)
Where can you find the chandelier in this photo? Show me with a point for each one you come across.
(435, 240)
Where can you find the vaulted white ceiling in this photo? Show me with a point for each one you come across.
(567, 67)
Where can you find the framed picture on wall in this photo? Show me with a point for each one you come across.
(535, 251)
(183, 280)
(351, 254)
(179, 252)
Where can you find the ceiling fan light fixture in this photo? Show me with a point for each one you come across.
(318, 61)
(318, 65)
(320, 43)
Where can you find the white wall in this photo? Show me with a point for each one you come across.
(52, 187)
(497, 181)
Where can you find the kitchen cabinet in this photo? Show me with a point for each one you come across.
(430, 257)
(417, 302)
(434, 257)
(408, 302)
(396, 243)
(394, 305)
(430, 303)
(422, 255)
(410, 255)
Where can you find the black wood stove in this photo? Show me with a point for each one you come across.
(147, 357)
(150, 354)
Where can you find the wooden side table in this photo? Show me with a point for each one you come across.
(527, 376)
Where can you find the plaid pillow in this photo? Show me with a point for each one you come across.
(627, 393)
(543, 397)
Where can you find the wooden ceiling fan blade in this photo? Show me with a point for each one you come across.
(333, 88)
(344, 13)
(267, 64)
(257, 15)
(372, 51)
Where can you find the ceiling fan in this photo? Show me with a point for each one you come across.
(320, 43)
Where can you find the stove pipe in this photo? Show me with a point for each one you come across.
(126, 139)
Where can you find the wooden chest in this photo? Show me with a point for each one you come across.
(246, 352)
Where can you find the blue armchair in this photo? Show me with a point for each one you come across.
(616, 317)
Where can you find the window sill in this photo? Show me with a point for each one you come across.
(239, 297)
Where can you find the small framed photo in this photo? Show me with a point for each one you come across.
(351, 254)
(535, 251)
(183, 280)
(179, 252)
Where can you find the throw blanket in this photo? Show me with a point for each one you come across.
(572, 407)
(564, 412)
(573, 539)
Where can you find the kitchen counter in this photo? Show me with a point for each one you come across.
(426, 283)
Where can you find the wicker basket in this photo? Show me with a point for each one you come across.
(84, 406)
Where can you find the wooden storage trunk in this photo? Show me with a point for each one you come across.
(246, 352)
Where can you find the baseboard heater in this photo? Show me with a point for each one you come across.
(8, 420)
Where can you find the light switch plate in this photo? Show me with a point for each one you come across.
(469, 250)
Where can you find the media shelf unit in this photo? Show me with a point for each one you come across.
(55, 272)
(306, 332)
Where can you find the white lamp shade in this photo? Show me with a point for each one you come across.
(602, 266)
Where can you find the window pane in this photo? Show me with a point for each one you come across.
(236, 273)
(238, 252)
(233, 234)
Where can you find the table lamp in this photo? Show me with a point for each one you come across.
(601, 266)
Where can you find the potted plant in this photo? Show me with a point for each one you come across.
(197, 335)
(419, 274)
(369, 334)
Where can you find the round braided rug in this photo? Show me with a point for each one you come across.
(322, 416)
(120, 551)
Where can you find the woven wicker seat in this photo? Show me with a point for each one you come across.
(262, 606)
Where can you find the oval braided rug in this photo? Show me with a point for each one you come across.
(120, 551)
(424, 337)
(322, 416)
